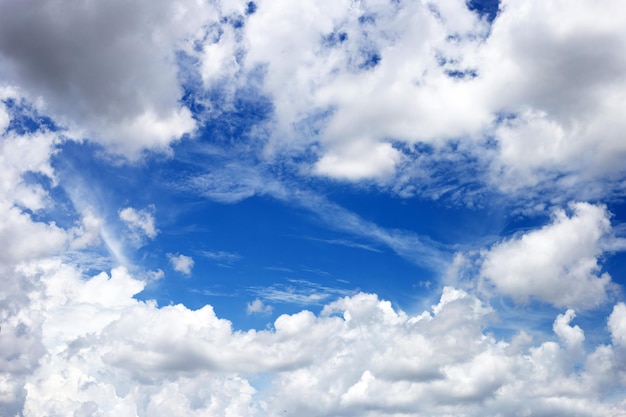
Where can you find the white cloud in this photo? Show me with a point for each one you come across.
(5, 119)
(21, 237)
(181, 263)
(89, 231)
(140, 222)
(360, 356)
(617, 324)
(532, 105)
(359, 161)
(572, 336)
(221, 256)
(258, 307)
(118, 85)
(558, 263)
(557, 69)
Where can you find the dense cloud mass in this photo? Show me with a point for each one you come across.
(374, 93)
(75, 346)
(106, 69)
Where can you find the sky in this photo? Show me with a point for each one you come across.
(340, 208)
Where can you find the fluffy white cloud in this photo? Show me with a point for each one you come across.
(105, 69)
(555, 66)
(258, 307)
(532, 104)
(366, 72)
(140, 222)
(572, 336)
(617, 324)
(346, 80)
(181, 263)
(359, 161)
(360, 356)
(558, 263)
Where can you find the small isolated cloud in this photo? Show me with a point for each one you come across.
(140, 222)
(258, 307)
(181, 263)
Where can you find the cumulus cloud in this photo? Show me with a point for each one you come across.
(558, 263)
(345, 79)
(617, 324)
(140, 222)
(353, 86)
(360, 161)
(107, 70)
(360, 356)
(258, 307)
(181, 263)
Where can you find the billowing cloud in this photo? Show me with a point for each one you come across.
(181, 263)
(107, 70)
(617, 324)
(345, 79)
(558, 263)
(360, 356)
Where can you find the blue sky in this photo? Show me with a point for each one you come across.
(321, 208)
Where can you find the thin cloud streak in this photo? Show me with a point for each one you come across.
(343, 242)
(220, 186)
(299, 292)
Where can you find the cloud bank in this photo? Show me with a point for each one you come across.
(359, 356)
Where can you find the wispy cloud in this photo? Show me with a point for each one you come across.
(221, 256)
(344, 242)
(279, 269)
(410, 245)
(299, 292)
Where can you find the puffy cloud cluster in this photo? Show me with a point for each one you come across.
(86, 347)
(535, 96)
